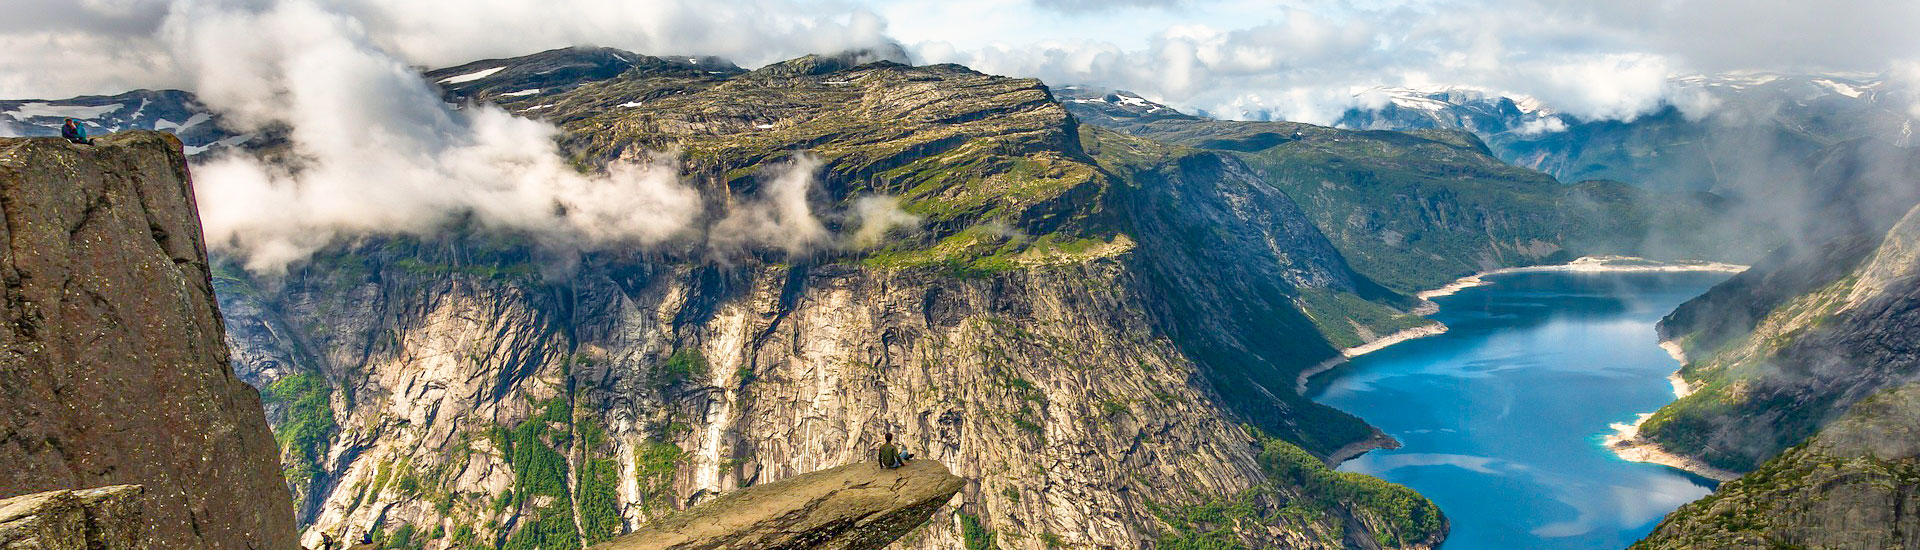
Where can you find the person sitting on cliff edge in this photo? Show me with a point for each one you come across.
(75, 132)
(891, 457)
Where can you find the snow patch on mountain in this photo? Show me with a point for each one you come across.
(470, 77)
(195, 120)
(38, 109)
(1840, 88)
(228, 142)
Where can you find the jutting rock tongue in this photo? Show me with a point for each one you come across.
(114, 369)
(854, 507)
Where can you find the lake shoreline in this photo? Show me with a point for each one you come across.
(1377, 344)
(1629, 445)
(1626, 442)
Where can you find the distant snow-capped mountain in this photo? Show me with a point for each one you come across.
(1721, 131)
(165, 110)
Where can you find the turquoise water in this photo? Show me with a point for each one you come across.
(1503, 416)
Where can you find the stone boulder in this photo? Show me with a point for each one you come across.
(106, 518)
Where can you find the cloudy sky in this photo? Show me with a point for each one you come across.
(1303, 59)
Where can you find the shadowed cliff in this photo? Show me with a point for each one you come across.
(114, 369)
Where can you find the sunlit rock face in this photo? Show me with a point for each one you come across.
(1097, 333)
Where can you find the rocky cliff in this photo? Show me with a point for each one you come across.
(115, 369)
(1804, 377)
(1839, 328)
(1100, 334)
(1855, 485)
(854, 507)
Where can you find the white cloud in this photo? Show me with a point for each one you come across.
(1296, 59)
(1907, 73)
(878, 216)
(61, 49)
(1301, 60)
(1614, 86)
(378, 152)
(778, 218)
(1542, 125)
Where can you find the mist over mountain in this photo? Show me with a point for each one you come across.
(537, 275)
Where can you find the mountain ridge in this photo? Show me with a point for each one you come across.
(1052, 309)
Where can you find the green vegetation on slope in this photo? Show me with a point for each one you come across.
(1844, 488)
(1305, 490)
(307, 421)
(1341, 316)
(1728, 389)
(599, 486)
(1413, 211)
(540, 477)
(975, 535)
(1398, 515)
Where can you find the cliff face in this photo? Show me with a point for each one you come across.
(1083, 329)
(106, 518)
(497, 406)
(1817, 400)
(115, 370)
(1841, 327)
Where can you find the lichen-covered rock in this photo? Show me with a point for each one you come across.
(105, 518)
(113, 367)
(853, 507)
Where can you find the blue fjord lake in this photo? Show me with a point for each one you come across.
(1502, 418)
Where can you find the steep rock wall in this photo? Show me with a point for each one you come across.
(1842, 329)
(1048, 390)
(115, 369)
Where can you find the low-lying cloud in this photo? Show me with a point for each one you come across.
(778, 218)
(374, 150)
(67, 48)
(878, 217)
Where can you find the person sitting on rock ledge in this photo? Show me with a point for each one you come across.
(891, 457)
(75, 132)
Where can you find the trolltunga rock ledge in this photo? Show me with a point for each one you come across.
(853, 507)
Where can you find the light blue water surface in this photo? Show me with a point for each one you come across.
(1503, 416)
